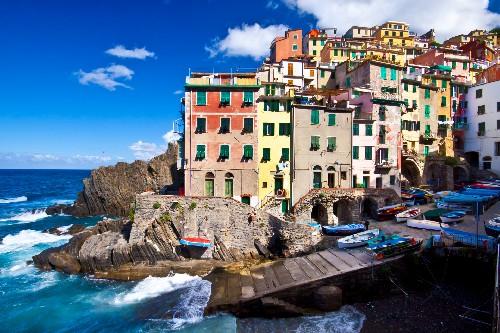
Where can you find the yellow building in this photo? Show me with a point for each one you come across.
(314, 42)
(410, 118)
(395, 33)
(274, 106)
(396, 55)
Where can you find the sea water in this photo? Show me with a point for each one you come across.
(36, 301)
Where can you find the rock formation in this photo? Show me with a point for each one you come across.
(111, 190)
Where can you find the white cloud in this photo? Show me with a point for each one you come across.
(122, 52)
(44, 160)
(272, 5)
(247, 40)
(447, 17)
(147, 150)
(178, 92)
(106, 77)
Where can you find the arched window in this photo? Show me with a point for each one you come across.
(209, 184)
(331, 176)
(317, 177)
(228, 184)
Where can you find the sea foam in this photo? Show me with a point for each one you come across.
(13, 200)
(154, 286)
(27, 217)
(28, 238)
(192, 305)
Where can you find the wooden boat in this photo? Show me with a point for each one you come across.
(453, 216)
(453, 206)
(423, 224)
(392, 246)
(359, 239)
(343, 230)
(435, 214)
(408, 214)
(388, 212)
(492, 227)
(469, 238)
(195, 241)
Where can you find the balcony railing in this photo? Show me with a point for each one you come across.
(217, 81)
(383, 164)
(460, 126)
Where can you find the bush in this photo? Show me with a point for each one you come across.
(166, 218)
(175, 205)
(192, 206)
(131, 214)
(156, 205)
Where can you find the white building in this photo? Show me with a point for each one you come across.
(482, 139)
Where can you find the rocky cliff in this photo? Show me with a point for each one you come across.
(111, 190)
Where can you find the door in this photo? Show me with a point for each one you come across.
(245, 200)
(317, 180)
(331, 180)
(228, 187)
(278, 184)
(366, 181)
(378, 182)
(209, 187)
(284, 206)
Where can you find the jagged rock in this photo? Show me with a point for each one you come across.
(111, 190)
(64, 262)
(74, 229)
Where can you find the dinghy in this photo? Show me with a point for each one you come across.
(423, 224)
(492, 227)
(452, 217)
(435, 214)
(388, 212)
(342, 230)
(388, 247)
(408, 214)
(359, 239)
(195, 241)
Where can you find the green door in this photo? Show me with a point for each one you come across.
(209, 187)
(317, 179)
(284, 206)
(366, 181)
(228, 187)
(278, 184)
(245, 200)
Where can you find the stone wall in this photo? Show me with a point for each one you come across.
(299, 239)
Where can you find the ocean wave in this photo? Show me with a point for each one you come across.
(154, 286)
(64, 228)
(62, 201)
(28, 238)
(27, 217)
(13, 200)
(192, 305)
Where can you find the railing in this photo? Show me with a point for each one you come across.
(217, 81)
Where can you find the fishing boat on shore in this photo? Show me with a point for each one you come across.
(423, 224)
(384, 247)
(453, 206)
(469, 238)
(388, 212)
(359, 239)
(195, 242)
(492, 227)
(343, 230)
(408, 214)
(453, 216)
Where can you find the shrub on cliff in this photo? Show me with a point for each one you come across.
(131, 214)
(156, 205)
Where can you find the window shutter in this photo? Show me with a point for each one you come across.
(248, 97)
(201, 98)
(427, 111)
(427, 93)
(331, 119)
(285, 154)
(383, 73)
(201, 125)
(369, 130)
(355, 152)
(368, 153)
(414, 88)
(248, 152)
(405, 86)
(314, 117)
(393, 74)
(443, 100)
(224, 151)
(266, 154)
(248, 125)
(332, 143)
(444, 84)
(355, 129)
(200, 152)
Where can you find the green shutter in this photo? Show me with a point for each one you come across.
(348, 82)
(453, 64)
(322, 73)
(426, 150)
(248, 97)
(248, 152)
(427, 111)
(209, 187)
(315, 142)
(394, 74)
(434, 82)
(368, 153)
(331, 119)
(225, 97)
(332, 143)
(443, 84)
(383, 73)
(224, 151)
(355, 129)
(225, 125)
(314, 117)
(427, 93)
(201, 125)
(200, 152)
(285, 154)
(248, 125)
(266, 154)
(268, 129)
(465, 65)
(368, 130)
(314, 42)
(268, 90)
(405, 86)
(443, 100)
(284, 129)
(228, 187)
(273, 89)
(335, 53)
(201, 98)
(414, 88)
(355, 152)
(427, 130)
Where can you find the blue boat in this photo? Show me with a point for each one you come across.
(492, 230)
(464, 198)
(195, 241)
(469, 238)
(314, 225)
(384, 247)
(343, 230)
(480, 192)
(453, 216)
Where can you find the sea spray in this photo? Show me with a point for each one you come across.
(13, 200)
(192, 304)
(28, 238)
(27, 217)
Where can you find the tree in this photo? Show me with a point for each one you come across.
(495, 31)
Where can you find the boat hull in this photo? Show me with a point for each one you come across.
(345, 230)
(357, 240)
(423, 224)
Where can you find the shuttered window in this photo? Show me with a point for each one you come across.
(355, 152)
(225, 125)
(314, 117)
(209, 187)
(248, 97)
(201, 98)
(368, 153)
(285, 154)
(228, 187)
(394, 74)
(225, 97)
(248, 125)
(266, 154)
(444, 84)
(331, 144)
(268, 129)
(224, 152)
(201, 125)
(248, 152)
(427, 93)
(314, 142)
(383, 73)
(200, 152)
(427, 111)
(284, 129)
(331, 119)
(405, 86)
(443, 100)
(355, 129)
(368, 130)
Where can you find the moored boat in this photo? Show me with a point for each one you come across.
(343, 230)
(469, 238)
(408, 214)
(423, 224)
(384, 247)
(435, 214)
(492, 227)
(453, 216)
(358, 239)
(388, 212)
(195, 241)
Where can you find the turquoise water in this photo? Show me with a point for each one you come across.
(35, 301)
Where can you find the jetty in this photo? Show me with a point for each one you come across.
(291, 281)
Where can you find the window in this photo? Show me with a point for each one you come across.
(225, 97)
(284, 129)
(266, 154)
(335, 53)
(355, 129)
(481, 109)
(426, 150)
(368, 153)
(270, 90)
(393, 71)
(434, 82)
(311, 72)
(465, 65)
(479, 93)
(331, 144)
(427, 93)
(414, 103)
(264, 184)
(453, 64)
(201, 125)
(427, 111)
(248, 125)
(381, 134)
(295, 47)
(343, 175)
(444, 84)
(355, 152)
(392, 180)
(381, 113)
(248, 152)
(497, 148)
(225, 125)
(200, 152)
(201, 98)
(347, 82)
(481, 129)
(268, 129)
(414, 88)
(224, 152)
(285, 154)
(405, 86)
(443, 100)
(322, 43)
(290, 69)
(314, 42)
(331, 119)
(314, 142)
(314, 117)
(322, 73)
(383, 73)
(314, 52)
(228, 186)
(368, 130)
(498, 106)
(498, 123)
(427, 130)
(248, 97)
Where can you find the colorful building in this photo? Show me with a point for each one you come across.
(314, 41)
(394, 33)
(286, 47)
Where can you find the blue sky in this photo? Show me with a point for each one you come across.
(59, 107)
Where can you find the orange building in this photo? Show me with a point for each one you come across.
(286, 47)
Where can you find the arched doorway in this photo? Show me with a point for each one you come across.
(473, 158)
(228, 184)
(411, 172)
(342, 210)
(368, 208)
(209, 184)
(460, 174)
(319, 214)
(317, 177)
(331, 176)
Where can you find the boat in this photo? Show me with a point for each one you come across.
(343, 230)
(453, 216)
(469, 238)
(423, 224)
(388, 212)
(359, 239)
(453, 206)
(314, 225)
(492, 227)
(384, 247)
(435, 214)
(195, 241)
(480, 192)
(408, 214)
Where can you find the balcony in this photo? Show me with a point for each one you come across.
(460, 126)
(428, 137)
(383, 164)
(413, 76)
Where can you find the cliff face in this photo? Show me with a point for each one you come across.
(111, 190)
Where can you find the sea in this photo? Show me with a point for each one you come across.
(36, 301)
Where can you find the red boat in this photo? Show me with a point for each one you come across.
(195, 241)
(388, 212)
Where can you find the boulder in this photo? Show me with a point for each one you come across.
(64, 262)
(328, 298)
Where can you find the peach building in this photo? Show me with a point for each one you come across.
(286, 47)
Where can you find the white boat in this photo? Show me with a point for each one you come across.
(423, 224)
(359, 239)
(452, 217)
(408, 214)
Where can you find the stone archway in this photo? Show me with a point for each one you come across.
(368, 208)
(411, 172)
(433, 176)
(342, 211)
(319, 214)
(460, 174)
(473, 158)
